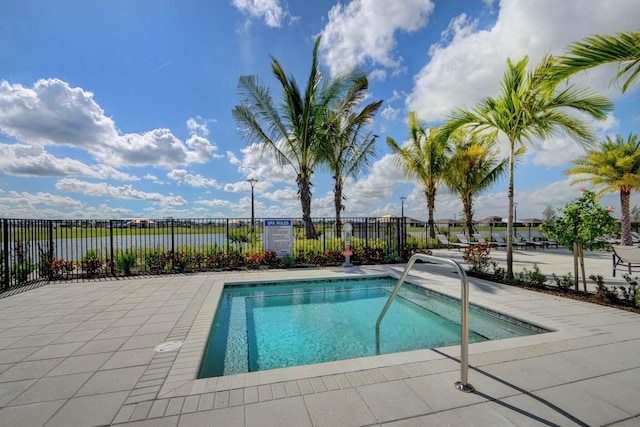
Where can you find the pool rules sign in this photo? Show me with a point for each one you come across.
(278, 236)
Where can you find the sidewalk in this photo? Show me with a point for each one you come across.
(82, 354)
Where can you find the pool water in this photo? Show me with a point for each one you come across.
(262, 327)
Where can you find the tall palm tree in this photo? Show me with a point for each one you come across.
(529, 105)
(347, 145)
(474, 167)
(614, 165)
(423, 158)
(623, 48)
(290, 129)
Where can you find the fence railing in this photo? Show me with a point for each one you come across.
(34, 250)
(43, 250)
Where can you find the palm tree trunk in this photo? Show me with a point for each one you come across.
(337, 201)
(510, 214)
(468, 215)
(431, 207)
(575, 265)
(584, 276)
(304, 187)
(625, 217)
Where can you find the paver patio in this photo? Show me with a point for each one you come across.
(75, 354)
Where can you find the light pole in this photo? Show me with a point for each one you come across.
(252, 181)
(515, 218)
(403, 198)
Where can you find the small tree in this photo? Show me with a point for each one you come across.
(549, 214)
(579, 226)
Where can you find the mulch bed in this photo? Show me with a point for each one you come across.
(569, 293)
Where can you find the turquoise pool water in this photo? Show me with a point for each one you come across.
(262, 327)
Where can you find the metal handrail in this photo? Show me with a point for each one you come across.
(461, 385)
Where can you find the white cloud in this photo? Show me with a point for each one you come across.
(270, 11)
(41, 199)
(182, 176)
(53, 113)
(34, 161)
(154, 179)
(390, 113)
(364, 31)
(261, 165)
(125, 192)
(468, 65)
(364, 195)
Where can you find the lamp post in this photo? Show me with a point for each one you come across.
(403, 198)
(252, 181)
(515, 218)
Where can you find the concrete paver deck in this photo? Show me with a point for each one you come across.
(74, 354)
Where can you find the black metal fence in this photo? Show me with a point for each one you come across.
(44, 250)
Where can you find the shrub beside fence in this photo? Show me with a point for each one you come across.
(44, 250)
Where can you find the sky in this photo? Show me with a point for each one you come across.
(122, 109)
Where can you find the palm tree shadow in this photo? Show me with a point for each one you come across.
(521, 411)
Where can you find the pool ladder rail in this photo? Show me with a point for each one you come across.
(463, 384)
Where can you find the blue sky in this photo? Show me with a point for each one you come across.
(121, 109)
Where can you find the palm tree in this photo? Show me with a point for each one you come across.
(290, 130)
(529, 105)
(473, 168)
(614, 165)
(623, 48)
(424, 158)
(347, 146)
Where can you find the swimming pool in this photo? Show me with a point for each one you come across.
(267, 326)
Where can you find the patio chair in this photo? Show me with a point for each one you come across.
(627, 257)
(482, 239)
(550, 242)
(463, 239)
(534, 244)
(444, 241)
(501, 239)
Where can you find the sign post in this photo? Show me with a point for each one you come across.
(348, 229)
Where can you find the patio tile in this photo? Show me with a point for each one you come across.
(101, 346)
(593, 411)
(35, 340)
(52, 388)
(119, 332)
(112, 380)
(77, 364)
(126, 358)
(88, 410)
(77, 336)
(233, 416)
(338, 408)
(9, 390)
(276, 413)
(29, 370)
(11, 355)
(34, 414)
(55, 350)
(385, 408)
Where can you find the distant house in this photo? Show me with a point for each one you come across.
(140, 223)
(493, 221)
(531, 222)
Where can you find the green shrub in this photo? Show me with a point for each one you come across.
(478, 255)
(126, 261)
(91, 263)
(565, 282)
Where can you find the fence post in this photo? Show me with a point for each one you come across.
(228, 244)
(173, 248)
(113, 261)
(5, 252)
(50, 260)
(399, 236)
